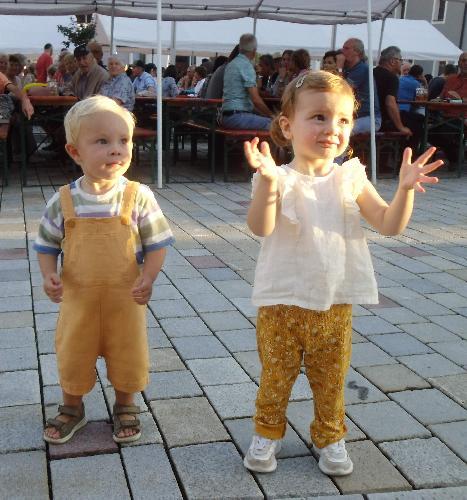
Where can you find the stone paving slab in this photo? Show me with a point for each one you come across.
(94, 438)
(372, 325)
(217, 321)
(359, 390)
(16, 338)
(18, 358)
(188, 421)
(18, 471)
(242, 430)
(454, 351)
(27, 380)
(199, 347)
(149, 472)
(368, 354)
(427, 463)
(217, 371)
(456, 324)
(167, 385)
(454, 386)
(239, 340)
(219, 472)
(391, 378)
(24, 424)
(454, 435)
(454, 493)
(372, 471)
(386, 421)
(399, 344)
(430, 406)
(429, 332)
(184, 327)
(431, 365)
(233, 400)
(298, 477)
(100, 476)
(164, 360)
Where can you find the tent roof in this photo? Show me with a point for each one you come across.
(299, 11)
(417, 39)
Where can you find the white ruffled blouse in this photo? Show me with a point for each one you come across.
(317, 254)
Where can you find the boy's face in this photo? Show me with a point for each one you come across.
(104, 146)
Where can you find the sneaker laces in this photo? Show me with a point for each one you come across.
(261, 445)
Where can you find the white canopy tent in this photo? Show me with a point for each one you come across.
(296, 11)
(417, 39)
(28, 34)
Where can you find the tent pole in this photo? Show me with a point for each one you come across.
(254, 25)
(381, 37)
(372, 96)
(173, 41)
(333, 36)
(112, 23)
(159, 95)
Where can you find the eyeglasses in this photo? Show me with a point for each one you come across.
(398, 59)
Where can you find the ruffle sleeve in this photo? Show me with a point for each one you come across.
(353, 179)
(286, 187)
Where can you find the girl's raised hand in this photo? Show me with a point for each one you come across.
(412, 175)
(261, 159)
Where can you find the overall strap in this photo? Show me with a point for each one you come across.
(67, 202)
(128, 201)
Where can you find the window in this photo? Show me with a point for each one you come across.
(439, 11)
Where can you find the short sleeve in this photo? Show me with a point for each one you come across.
(354, 178)
(51, 228)
(248, 75)
(154, 230)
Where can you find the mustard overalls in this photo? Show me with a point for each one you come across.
(98, 316)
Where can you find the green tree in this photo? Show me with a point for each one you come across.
(78, 33)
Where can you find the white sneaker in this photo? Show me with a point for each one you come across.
(261, 455)
(334, 459)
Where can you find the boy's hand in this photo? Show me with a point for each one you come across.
(413, 174)
(261, 160)
(142, 290)
(53, 287)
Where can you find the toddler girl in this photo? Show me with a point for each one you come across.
(314, 261)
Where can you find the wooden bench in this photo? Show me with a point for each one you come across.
(4, 131)
(143, 137)
(230, 137)
(386, 142)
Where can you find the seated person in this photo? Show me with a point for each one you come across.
(436, 85)
(265, 72)
(241, 95)
(169, 84)
(215, 87)
(14, 69)
(3, 63)
(186, 81)
(119, 87)
(284, 74)
(196, 83)
(329, 62)
(408, 86)
(299, 62)
(219, 61)
(387, 82)
(445, 136)
(143, 83)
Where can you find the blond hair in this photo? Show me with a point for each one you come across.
(320, 81)
(92, 106)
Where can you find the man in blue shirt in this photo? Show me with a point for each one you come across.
(241, 95)
(356, 73)
(143, 83)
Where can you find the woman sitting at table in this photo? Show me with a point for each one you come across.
(169, 84)
(118, 87)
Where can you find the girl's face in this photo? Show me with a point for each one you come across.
(321, 126)
(329, 64)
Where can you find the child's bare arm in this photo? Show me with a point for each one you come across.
(142, 289)
(53, 286)
(392, 219)
(262, 212)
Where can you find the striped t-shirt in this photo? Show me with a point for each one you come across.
(148, 223)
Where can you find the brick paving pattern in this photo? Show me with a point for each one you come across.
(406, 391)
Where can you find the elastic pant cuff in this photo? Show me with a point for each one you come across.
(270, 431)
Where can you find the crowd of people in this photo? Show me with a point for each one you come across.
(243, 80)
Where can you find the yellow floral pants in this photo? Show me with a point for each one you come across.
(323, 339)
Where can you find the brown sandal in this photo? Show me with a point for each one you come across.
(66, 430)
(126, 423)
